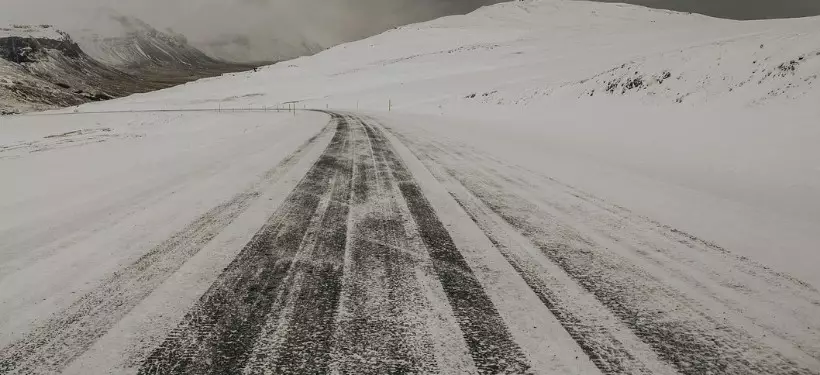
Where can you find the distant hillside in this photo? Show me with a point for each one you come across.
(43, 68)
(137, 47)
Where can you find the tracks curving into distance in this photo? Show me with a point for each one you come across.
(355, 272)
(277, 306)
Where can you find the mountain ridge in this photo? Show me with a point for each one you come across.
(42, 67)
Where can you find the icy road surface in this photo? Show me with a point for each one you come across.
(249, 242)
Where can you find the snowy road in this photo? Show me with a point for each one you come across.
(284, 245)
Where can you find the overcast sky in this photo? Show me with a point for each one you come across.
(263, 26)
(268, 29)
(737, 9)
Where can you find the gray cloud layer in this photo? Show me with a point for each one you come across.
(274, 29)
(243, 29)
(736, 9)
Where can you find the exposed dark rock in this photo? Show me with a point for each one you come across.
(634, 83)
(666, 75)
(26, 50)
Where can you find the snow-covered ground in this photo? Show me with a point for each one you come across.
(638, 185)
(735, 161)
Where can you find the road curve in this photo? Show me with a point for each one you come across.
(396, 252)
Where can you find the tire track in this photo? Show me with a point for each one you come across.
(492, 347)
(678, 329)
(53, 345)
(217, 336)
(380, 327)
(606, 351)
(591, 329)
(297, 336)
(329, 284)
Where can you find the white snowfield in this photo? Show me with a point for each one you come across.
(551, 187)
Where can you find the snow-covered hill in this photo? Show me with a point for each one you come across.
(537, 51)
(762, 62)
(719, 116)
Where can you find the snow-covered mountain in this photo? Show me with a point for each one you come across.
(138, 47)
(41, 67)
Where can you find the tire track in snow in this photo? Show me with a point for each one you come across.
(380, 327)
(276, 307)
(678, 329)
(602, 347)
(53, 345)
(296, 338)
(673, 325)
(218, 334)
(490, 343)
(591, 330)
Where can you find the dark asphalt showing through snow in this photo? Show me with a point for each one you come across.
(289, 278)
(349, 272)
